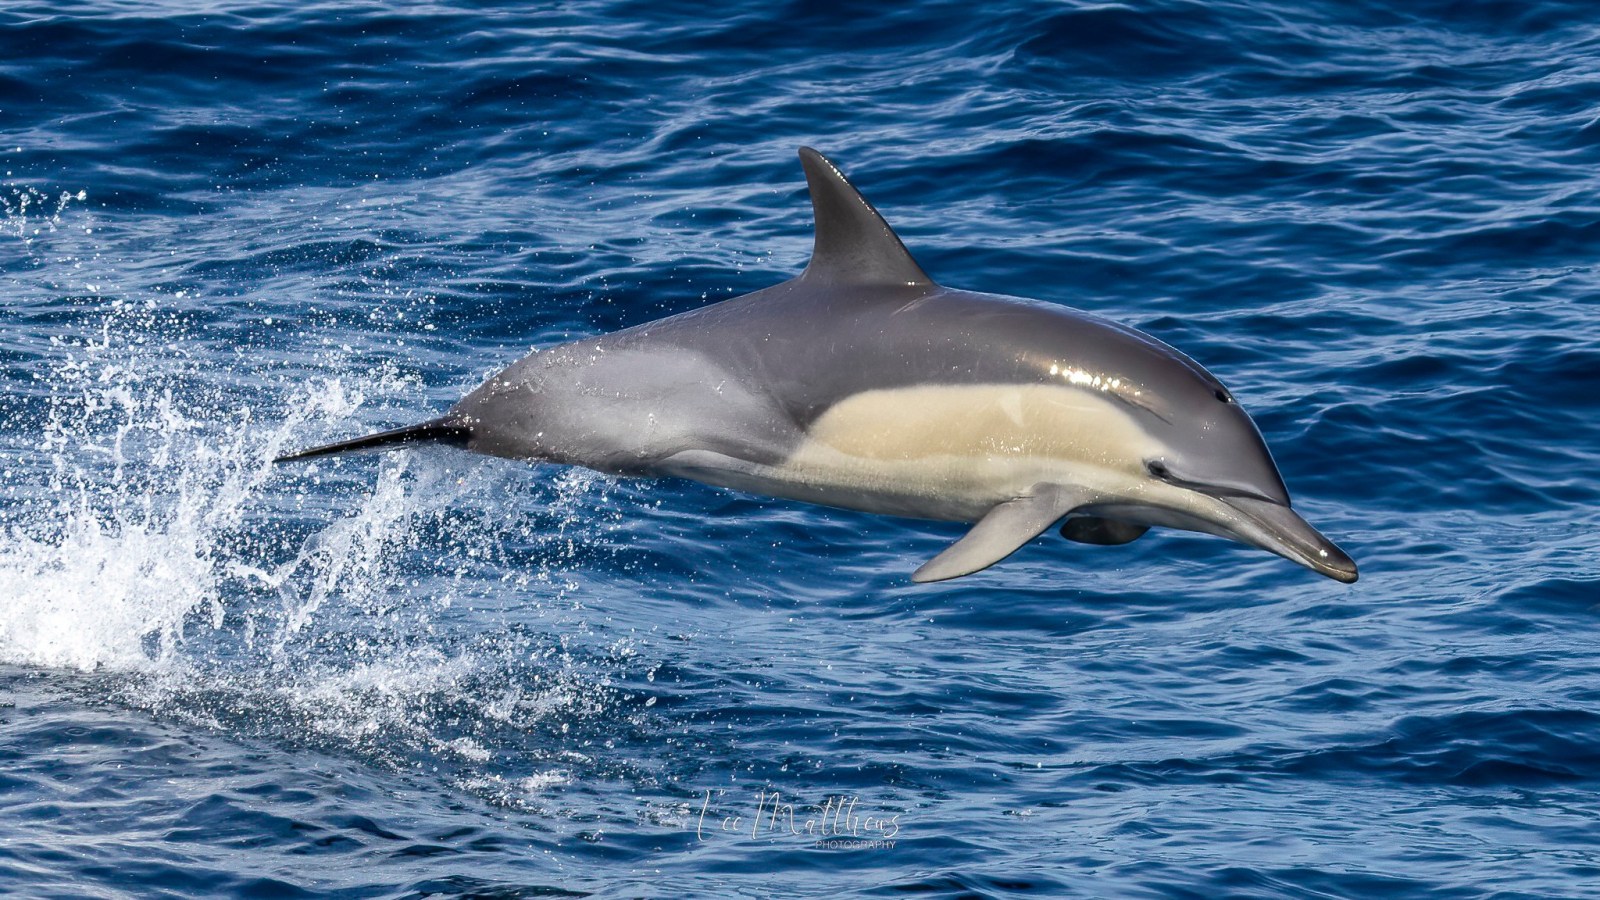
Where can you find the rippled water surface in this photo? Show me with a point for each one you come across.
(232, 230)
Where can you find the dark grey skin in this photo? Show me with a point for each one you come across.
(863, 384)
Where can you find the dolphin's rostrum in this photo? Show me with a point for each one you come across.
(863, 384)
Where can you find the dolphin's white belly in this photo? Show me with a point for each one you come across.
(941, 451)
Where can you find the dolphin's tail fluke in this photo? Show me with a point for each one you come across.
(443, 431)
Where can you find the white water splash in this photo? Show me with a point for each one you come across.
(27, 211)
(108, 563)
(146, 501)
(149, 539)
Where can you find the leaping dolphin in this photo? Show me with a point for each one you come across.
(863, 384)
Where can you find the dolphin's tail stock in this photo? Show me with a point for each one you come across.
(446, 430)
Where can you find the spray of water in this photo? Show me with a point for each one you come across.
(27, 211)
(150, 540)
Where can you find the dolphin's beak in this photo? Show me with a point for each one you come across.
(1277, 528)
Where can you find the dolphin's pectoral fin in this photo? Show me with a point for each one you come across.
(1105, 532)
(999, 534)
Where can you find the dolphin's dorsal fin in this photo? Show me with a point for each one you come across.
(853, 243)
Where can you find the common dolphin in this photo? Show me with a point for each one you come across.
(863, 384)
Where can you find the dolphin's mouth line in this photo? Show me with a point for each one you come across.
(1238, 516)
(1279, 529)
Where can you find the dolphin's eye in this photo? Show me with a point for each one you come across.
(1224, 396)
(1158, 468)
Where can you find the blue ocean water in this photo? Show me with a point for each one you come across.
(234, 229)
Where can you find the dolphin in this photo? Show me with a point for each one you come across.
(863, 384)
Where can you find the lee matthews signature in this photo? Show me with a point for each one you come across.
(834, 824)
